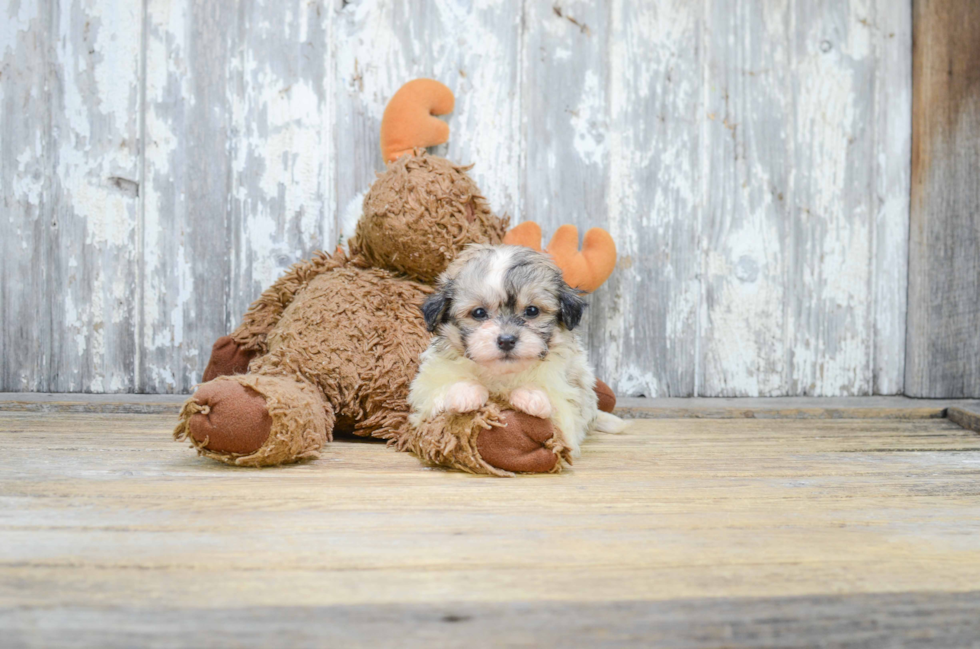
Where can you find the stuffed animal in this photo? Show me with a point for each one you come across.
(334, 344)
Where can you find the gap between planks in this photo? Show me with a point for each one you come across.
(965, 412)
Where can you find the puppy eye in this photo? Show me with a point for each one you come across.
(479, 313)
(531, 312)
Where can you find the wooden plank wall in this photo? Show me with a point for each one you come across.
(750, 158)
(944, 262)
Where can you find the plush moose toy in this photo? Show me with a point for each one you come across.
(334, 344)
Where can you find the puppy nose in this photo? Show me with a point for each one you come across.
(506, 342)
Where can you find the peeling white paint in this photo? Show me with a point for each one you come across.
(15, 25)
(70, 84)
(290, 147)
(589, 122)
(29, 182)
(350, 216)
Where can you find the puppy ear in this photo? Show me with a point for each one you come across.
(570, 306)
(435, 307)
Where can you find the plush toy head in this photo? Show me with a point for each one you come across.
(423, 210)
(420, 214)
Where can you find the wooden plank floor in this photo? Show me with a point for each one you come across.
(687, 532)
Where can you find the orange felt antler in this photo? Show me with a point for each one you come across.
(408, 120)
(588, 268)
(527, 234)
(584, 269)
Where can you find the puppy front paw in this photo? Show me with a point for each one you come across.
(531, 401)
(465, 397)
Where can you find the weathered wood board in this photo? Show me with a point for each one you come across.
(943, 345)
(789, 293)
(162, 163)
(239, 178)
(923, 619)
(69, 184)
(726, 532)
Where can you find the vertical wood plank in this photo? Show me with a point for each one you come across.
(749, 112)
(788, 284)
(70, 115)
(26, 149)
(830, 252)
(284, 157)
(566, 107)
(187, 238)
(644, 328)
(892, 161)
(239, 168)
(471, 47)
(566, 132)
(92, 257)
(943, 344)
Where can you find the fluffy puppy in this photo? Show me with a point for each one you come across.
(503, 318)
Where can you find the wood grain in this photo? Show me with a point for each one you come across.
(627, 407)
(943, 348)
(186, 241)
(748, 223)
(966, 415)
(69, 180)
(239, 154)
(644, 321)
(902, 619)
(103, 514)
(892, 39)
(788, 408)
(789, 285)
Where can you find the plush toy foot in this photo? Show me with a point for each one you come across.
(232, 418)
(227, 357)
(256, 420)
(521, 445)
(607, 398)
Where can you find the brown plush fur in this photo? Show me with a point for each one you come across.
(356, 335)
(265, 312)
(338, 337)
(300, 423)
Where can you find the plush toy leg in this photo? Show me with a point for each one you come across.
(490, 441)
(227, 357)
(607, 398)
(256, 420)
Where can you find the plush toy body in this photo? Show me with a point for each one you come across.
(340, 357)
(334, 344)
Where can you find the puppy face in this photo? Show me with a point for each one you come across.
(502, 306)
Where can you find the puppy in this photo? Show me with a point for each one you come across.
(503, 318)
